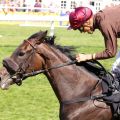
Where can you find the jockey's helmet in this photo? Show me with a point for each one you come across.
(79, 16)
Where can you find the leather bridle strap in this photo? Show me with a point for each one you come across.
(30, 44)
(46, 70)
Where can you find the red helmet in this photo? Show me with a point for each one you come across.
(79, 16)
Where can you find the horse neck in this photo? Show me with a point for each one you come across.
(70, 81)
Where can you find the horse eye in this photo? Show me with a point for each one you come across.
(21, 53)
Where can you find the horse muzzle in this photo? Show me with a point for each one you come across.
(11, 75)
(5, 79)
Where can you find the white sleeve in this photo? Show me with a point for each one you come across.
(116, 64)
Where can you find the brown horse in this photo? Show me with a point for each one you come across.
(71, 83)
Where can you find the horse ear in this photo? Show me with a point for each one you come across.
(41, 37)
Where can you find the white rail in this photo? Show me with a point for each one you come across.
(30, 15)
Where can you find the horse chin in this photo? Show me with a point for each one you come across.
(5, 80)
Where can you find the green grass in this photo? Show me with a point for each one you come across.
(35, 99)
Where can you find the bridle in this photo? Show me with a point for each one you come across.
(21, 75)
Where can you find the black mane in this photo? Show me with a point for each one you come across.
(67, 50)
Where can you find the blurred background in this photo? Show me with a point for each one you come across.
(42, 12)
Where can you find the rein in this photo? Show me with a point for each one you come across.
(46, 70)
(56, 66)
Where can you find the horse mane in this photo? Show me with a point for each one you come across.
(69, 51)
(93, 67)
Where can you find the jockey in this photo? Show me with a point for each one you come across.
(108, 23)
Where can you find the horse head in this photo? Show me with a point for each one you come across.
(26, 58)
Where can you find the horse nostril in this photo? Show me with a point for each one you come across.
(0, 78)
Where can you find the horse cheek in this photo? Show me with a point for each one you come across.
(38, 63)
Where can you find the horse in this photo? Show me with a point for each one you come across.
(73, 85)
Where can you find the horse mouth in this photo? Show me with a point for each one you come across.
(5, 79)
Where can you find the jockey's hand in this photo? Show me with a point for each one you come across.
(83, 57)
